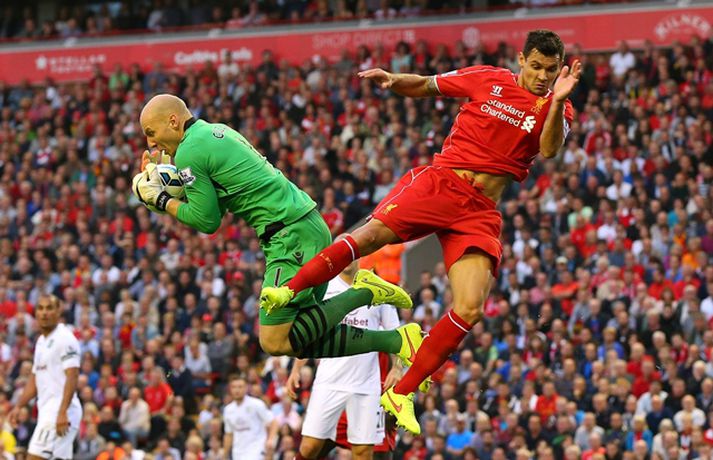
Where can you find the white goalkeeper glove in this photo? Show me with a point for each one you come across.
(147, 187)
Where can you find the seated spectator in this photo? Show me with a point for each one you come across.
(639, 431)
(698, 417)
(90, 445)
(135, 417)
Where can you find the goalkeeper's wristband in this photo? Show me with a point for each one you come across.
(162, 201)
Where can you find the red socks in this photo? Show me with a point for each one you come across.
(326, 265)
(440, 343)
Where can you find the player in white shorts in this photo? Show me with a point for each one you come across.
(250, 427)
(55, 371)
(351, 383)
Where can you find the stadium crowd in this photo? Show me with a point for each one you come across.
(598, 337)
(77, 19)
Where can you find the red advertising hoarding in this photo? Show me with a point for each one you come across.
(592, 31)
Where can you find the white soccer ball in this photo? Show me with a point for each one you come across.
(171, 181)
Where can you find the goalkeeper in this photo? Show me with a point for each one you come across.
(222, 172)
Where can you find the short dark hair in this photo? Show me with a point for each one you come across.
(546, 42)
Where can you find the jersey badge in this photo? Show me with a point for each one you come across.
(528, 123)
(219, 132)
(497, 91)
(186, 176)
(389, 208)
(539, 104)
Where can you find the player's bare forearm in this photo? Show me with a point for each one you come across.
(396, 363)
(298, 364)
(70, 387)
(172, 207)
(411, 85)
(552, 137)
(403, 84)
(228, 444)
(29, 392)
(272, 429)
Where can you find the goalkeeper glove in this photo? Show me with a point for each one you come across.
(148, 188)
(154, 157)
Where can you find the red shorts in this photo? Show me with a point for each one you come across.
(434, 199)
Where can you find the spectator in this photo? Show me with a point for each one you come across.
(459, 438)
(622, 61)
(639, 432)
(109, 427)
(697, 416)
(164, 451)
(135, 417)
(90, 445)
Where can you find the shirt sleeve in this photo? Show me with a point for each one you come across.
(568, 117)
(202, 211)
(266, 416)
(229, 426)
(69, 353)
(462, 82)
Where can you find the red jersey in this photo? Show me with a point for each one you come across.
(498, 130)
(156, 396)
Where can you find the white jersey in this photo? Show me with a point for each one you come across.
(248, 423)
(54, 354)
(357, 374)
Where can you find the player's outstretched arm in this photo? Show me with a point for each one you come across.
(403, 84)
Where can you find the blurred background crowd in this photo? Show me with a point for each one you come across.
(71, 18)
(598, 337)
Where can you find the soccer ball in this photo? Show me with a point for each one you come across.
(171, 181)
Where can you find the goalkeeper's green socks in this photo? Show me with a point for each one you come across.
(346, 340)
(318, 329)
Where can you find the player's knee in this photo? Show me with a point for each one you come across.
(470, 311)
(372, 237)
(275, 347)
(362, 452)
(310, 447)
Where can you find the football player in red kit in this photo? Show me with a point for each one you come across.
(507, 120)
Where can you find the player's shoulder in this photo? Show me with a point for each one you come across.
(256, 402)
(483, 71)
(66, 335)
(230, 407)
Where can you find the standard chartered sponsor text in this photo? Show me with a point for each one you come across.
(499, 109)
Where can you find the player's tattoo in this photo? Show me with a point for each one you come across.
(432, 87)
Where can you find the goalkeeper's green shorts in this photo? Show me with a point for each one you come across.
(285, 253)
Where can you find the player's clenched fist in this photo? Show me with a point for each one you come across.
(379, 76)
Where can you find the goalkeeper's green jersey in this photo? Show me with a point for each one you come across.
(221, 172)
